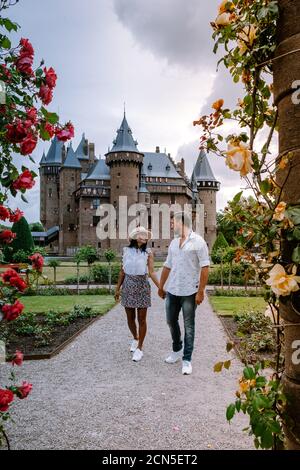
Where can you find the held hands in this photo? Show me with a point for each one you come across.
(162, 293)
(199, 297)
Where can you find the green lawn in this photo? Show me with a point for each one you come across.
(228, 306)
(64, 303)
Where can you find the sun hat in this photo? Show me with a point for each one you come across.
(140, 231)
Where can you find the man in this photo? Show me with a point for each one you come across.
(186, 270)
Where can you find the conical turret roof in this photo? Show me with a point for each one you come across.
(124, 141)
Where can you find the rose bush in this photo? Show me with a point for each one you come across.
(24, 120)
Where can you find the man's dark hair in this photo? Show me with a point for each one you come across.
(134, 244)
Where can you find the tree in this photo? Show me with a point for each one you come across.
(286, 78)
(229, 258)
(110, 256)
(220, 246)
(89, 254)
(23, 241)
(53, 263)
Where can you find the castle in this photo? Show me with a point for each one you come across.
(74, 183)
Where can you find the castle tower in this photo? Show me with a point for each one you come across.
(49, 183)
(85, 153)
(69, 179)
(125, 161)
(208, 187)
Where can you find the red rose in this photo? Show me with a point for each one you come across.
(8, 274)
(46, 94)
(4, 213)
(12, 312)
(25, 181)
(24, 390)
(6, 397)
(24, 64)
(16, 132)
(18, 358)
(28, 145)
(18, 283)
(37, 261)
(50, 129)
(26, 47)
(7, 236)
(15, 216)
(50, 77)
(32, 115)
(66, 133)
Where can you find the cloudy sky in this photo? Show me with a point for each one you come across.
(155, 56)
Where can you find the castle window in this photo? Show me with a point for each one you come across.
(205, 229)
(96, 203)
(173, 199)
(69, 208)
(117, 186)
(205, 214)
(71, 227)
(96, 220)
(99, 244)
(153, 244)
(50, 193)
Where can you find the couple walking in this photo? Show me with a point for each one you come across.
(185, 275)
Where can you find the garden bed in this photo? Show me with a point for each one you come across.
(43, 334)
(247, 327)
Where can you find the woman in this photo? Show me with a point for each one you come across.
(137, 260)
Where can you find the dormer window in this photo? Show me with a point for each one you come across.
(150, 167)
(168, 168)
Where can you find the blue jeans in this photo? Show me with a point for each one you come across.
(188, 305)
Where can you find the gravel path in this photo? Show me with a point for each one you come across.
(92, 396)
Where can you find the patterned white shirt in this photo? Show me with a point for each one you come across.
(185, 263)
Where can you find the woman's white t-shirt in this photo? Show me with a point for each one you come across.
(135, 261)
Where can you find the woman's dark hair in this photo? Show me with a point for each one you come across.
(134, 244)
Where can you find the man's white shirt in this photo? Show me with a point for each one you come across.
(185, 263)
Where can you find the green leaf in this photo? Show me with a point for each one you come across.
(9, 25)
(267, 439)
(296, 234)
(237, 197)
(265, 186)
(293, 213)
(238, 404)
(24, 198)
(218, 367)
(227, 364)
(5, 43)
(249, 373)
(296, 255)
(230, 412)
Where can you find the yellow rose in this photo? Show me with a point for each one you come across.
(246, 38)
(282, 283)
(223, 19)
(279, 211)
(244, 386)
(239, 158)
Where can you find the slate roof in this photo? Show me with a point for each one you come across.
(71, 160)
(99, 171)
(124, 141)
(80, 149)
(161, 165)
(202, 170)
(54, 155)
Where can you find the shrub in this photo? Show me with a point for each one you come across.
(238, 293)
(23, 240)
(100, 273)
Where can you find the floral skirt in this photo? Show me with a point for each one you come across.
(136, 292)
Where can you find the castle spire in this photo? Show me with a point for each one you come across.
(203, 174)
(124, 141)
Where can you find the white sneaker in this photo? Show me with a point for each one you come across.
(137, 356)
(186, 368)
(134, 345)
(174, 357)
